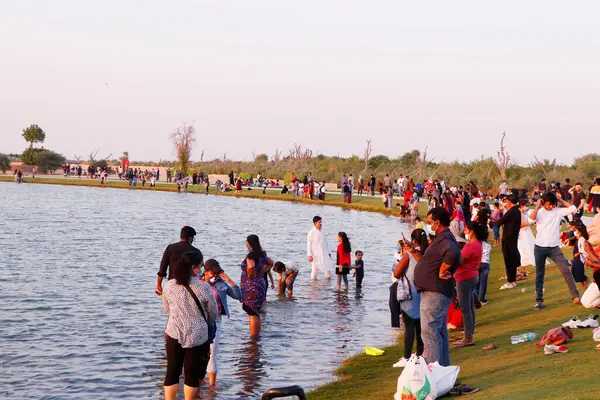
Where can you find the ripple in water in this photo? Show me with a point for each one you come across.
(80, 317)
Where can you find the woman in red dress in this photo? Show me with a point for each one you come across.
(343, 260)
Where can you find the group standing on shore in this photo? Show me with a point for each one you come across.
(441, 271)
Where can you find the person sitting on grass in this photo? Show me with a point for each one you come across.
(286, 276)
(591, 297)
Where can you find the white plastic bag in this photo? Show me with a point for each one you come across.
(596, 334)
(415, 382)
(444, 377)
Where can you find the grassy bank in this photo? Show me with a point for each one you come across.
(511, 372)
(360, 203)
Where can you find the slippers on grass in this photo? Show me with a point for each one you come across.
(462, 343)
(463, 390)
(492, 346)
(597, 347)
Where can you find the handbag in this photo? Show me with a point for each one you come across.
(212, 328)
(403, 293)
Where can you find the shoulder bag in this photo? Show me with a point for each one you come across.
(212, 328)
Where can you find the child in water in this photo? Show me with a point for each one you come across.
(359, 269)
(287, 275)
(343, 260)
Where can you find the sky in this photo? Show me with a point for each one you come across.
(262, 75)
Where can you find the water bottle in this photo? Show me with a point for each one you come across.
(524, 337)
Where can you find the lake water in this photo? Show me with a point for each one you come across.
(80, 317)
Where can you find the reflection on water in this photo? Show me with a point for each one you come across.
(80, 317)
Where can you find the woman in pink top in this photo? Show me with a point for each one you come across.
(467, 278)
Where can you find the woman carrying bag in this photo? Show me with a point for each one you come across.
(192, 309)
(408, 296)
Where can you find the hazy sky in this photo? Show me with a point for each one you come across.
(259, 75)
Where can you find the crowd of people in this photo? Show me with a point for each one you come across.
(441, 274)
(440, 277)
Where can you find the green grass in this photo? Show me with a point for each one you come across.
(511, 372)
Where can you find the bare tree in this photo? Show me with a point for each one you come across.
(183, 139)
(202, 156)
(277, 156)
(503, 158)
(77, 158)
(421, 161)
(368, 151)
(225, 156)
(296, 152)
(93, 154)
(254, 155)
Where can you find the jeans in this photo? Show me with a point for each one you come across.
(434, 331)
(578, 270)
(555, 254)
(344, 277)
(466, 299)
(412, 331)
(212, 367)
(481, 290)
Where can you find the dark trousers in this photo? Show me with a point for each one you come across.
(578, 270)
(555, 254)
(512, 260)
(412, 330)
(394, 306)
(193, 361)
(360, 274)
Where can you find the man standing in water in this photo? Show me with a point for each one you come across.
(318, 251)
(173, 254)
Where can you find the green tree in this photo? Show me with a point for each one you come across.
(34, 134)
(4, 163)
(29, 156)
(48, 160)
(379, 160)
(262, 157)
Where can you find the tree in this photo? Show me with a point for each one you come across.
(48, 160)
(4, 163)
(34, 134)
(183, 139)
(29, 156)
(379, 160)
(368, 151)
(261, 157)
(503, 158)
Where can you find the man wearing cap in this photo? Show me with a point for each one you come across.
(511, 226)
(173, 254)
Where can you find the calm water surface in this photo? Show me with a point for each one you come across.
(80, 317)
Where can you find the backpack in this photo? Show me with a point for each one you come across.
(556, 336)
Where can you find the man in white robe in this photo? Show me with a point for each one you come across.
(318, 251)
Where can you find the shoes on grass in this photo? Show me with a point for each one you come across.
(551, 349)
(401, 363)
(590, 322)
(484, 302)
(539, 306)
(573, 323)
(508, 286)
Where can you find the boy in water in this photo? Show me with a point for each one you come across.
(359, 270)
(287, 275)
